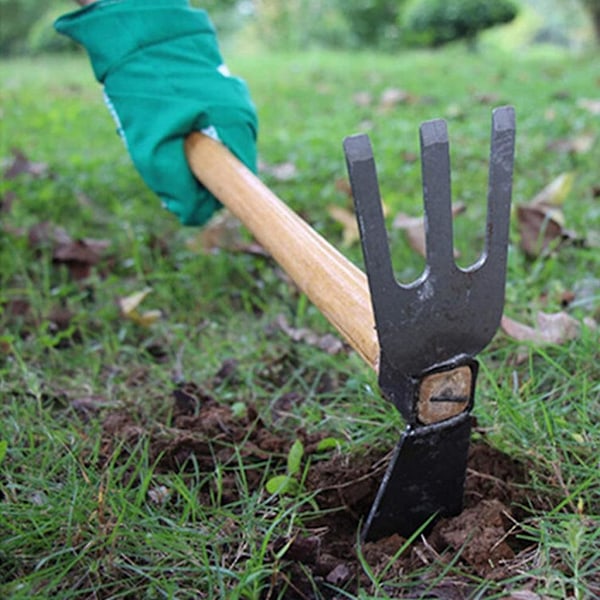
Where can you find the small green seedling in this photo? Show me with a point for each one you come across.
(288, 484)
(329, 443)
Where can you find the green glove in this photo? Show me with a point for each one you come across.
(163, 78)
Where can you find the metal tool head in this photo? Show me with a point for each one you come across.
(430, 330)
(449, 313)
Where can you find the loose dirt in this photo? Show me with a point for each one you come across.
(481, 541)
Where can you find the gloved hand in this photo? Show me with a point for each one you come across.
(163, 78)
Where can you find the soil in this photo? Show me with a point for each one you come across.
(481, 541)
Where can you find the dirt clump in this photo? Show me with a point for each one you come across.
(325, 554)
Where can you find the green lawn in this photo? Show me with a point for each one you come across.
(135, 466)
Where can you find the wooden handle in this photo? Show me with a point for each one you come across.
(333, 284)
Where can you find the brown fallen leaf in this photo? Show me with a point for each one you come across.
(79, 256)
(6, 201)
(415, 229)
(85, 406)
(579, 144)
(487, 98)
(46, 233)
(328, 343)
(347, 219)
(284, 171)
(555, 328)
(391, 97)
(21, 165)
(538, 230)
(409, 157)
(541, 221)
(343, 185)
(338, 575)
(60, 318)
(224, 232)
(16, 307)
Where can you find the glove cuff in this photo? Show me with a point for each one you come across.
(111, 30)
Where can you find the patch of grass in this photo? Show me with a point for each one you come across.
(78, 519)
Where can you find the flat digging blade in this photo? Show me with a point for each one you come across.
(430, 330)
(425, 477)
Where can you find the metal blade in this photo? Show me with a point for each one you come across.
(425, 477)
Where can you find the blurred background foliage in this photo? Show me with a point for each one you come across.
(389, 25)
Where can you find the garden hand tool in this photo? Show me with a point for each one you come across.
(165, 78)
(429, 331)
(420, 338)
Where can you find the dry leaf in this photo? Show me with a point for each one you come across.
(281, 171)
(224, 232)
(394, 96)
(343, 185)
(591, 105)
(555, 328)
(131, 302)
(44, 233)
(538, 230)
(147, 318)
(129, 309)
(6, 201)
(88, 405)
(488, 98)
(328, 343)
(159, 494)
(79, 256)
(363, 99)
(22, 165)
(541, 221)
(523, 595)
(556, 191)
(77, 251)
(415, 229)
(409, 157)
(579, 144)
(338, 575)
(347, 220)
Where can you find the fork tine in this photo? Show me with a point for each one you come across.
(437, 196)
(499, 188)
(369, 213)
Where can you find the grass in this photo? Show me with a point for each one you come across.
(78, 521)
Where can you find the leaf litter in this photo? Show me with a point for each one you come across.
(204, 434)
(207, 433)
(541, 221)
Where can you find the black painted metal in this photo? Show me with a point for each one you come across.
(425, 477)
(445, 317)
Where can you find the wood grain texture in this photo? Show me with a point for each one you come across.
(333, 284)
